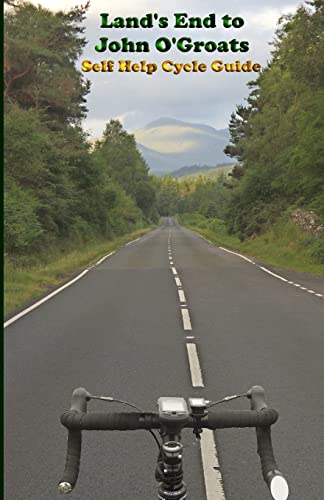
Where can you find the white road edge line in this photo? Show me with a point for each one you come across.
(130, 242)
(212, 473)
(186, 319)
(48, 297)
(104, 258)
(45, 299)
(272, 274)
(195, 370)
(238, 254)
(182, 296)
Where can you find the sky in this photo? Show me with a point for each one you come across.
(137, 98)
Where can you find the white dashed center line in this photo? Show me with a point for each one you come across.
(186, 319)
(178, 282)
(212, 473)
(182, 296)
(195, 370)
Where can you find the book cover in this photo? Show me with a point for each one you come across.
(163, 248)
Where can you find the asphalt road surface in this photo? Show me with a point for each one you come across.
(120, 330)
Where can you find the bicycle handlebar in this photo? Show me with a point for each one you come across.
(76, 420)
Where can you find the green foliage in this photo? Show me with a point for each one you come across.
(282, 245)
(278, 136)
(59, 189)
(316, 250)
(21, 225)
(168, 196)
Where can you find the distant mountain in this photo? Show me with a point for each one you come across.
(210, 173)
(183, 171)
(168, 144)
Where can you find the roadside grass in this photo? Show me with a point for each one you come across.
(284, 245)
(24, 284)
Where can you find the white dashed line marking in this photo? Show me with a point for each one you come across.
(212, 474)
(182, 296)
(195, 370)
(178, 282)
(174, 270)
(186, 319)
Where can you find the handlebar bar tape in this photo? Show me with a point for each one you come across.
(240, 418)
(265, 451)
(110, 421)
(74, 420)
(72, 464)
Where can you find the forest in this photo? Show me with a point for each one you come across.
(62, 189)
(277, 140)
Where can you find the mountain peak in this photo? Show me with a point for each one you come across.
(168, 144)
(164, 122)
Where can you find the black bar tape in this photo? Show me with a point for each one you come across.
(131, 421)
(111, 421)
(72, 464)
(265, 451)
(240, 418)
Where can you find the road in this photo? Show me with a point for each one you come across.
(119, 331)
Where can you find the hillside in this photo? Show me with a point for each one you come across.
(196, 171)
(168, 144)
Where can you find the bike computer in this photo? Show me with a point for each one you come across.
(173, 409)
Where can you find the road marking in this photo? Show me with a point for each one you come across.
(104, 258)
(186, 319)
(178, 282)
(297, 285)
(208, 241)
(195, 370)
(190, 337)
(171, 262)
(130, 242)
(182, 297)
(45, 299)
(238, 254)
(212, 473)
(174, 270)
(273, 274)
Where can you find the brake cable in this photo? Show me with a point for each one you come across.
(226, 399)
(109, 399)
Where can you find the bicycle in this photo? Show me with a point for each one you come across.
(173, 416)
